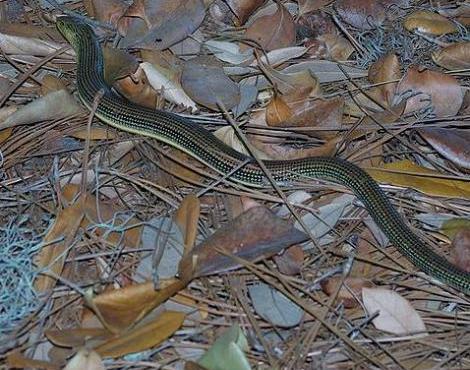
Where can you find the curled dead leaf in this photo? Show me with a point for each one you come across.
(208, 85)
(160, 24)
(461, 249)
(385, 70)
(277, 112)
(244, 8)
(256, 233)
(106, 11)
(281, 28)
(428, 89)
(406, 173)
(362, 14)
(118, 64)
(143, 337)
(54, 105)
(429, 22)
(187, 217)
(396, 314)
(455, 56)
(453, 144)
(138, 89)
(120, 309)
(290, 262)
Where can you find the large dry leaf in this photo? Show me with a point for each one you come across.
(244, 8)
(298, 110)
(279, 56)
(52, 256)
(406, 173)
(362, 14)
(208, 85)
(26, 39)
(138, 89)
(336, 47)
(396, 314)
(256, 233)
(187, 217)
(306, 6)
(118, 64)
(273, 31)
(119, 309)
(430, 89)
(461, 249)
(96, 133)
(429, 22)
(85, 359)
(170, 88)
(455, 56)
(229, 51)
(143, 337)
(166, 21)
(453, 144)
(55, 105)
(108, 11)
(15, 360)
(385, 71)
(76, 338)
(288, 82)
(5, 134)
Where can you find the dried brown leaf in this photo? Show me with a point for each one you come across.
(108, 11)
(118, 64)
(290, 262)
(5, 134)
(52, 256)
(428, 22)
(27, 39)
(120, 309)
(396, 314)
(281, 28)
(307, 6)
(443, 91)
(143, 337)
(55, 105)
(256, 233)
(15, 360)
(298, 110)
(362, 14)
(453, 144)
(96, 133)
(455, 56)
(166, 21)
(138, 89)
(208, 85)
(51, 83)
(75, 338)
(385, 70)
(277, 112)
(244, 8)
(461, 249)
(336, 46)
(187, 217)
